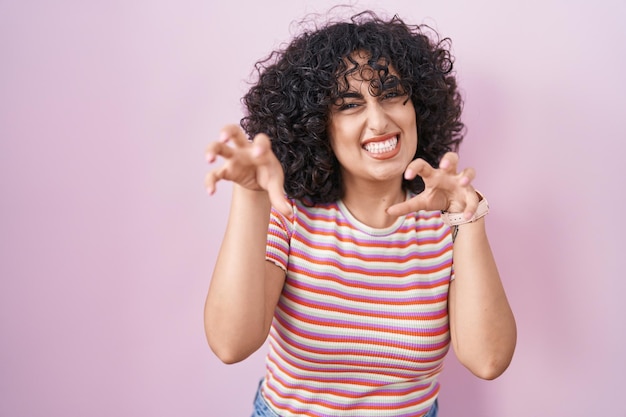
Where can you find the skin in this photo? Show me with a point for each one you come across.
(238, 320)
(372, 179)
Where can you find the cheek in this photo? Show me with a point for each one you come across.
(409, 124)
(409, 117)
(340, 135)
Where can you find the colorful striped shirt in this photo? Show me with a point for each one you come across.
(361, 327)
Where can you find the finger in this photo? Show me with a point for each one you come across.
(449, 162)
(276, 184)
(418, 167)
(261, 144)
(277, 197)
(211, 179)
(467, 176)
(409, 206)
(233, 133)
(218, 148)
(471, 203)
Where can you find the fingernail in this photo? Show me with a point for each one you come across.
(408, 174)
(444, 163)
(465, 181)
(223, 136)
(210, 157)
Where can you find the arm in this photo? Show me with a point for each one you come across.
(244, 288)
(482, 325)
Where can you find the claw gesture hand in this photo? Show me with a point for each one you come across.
(252, 165)
(445, 188)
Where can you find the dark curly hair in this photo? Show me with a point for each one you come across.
(292, 99)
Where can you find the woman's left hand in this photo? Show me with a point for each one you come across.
(445, 188)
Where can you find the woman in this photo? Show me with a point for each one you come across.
(354, 241)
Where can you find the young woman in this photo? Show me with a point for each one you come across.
(354, 241)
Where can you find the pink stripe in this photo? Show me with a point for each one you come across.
(369, 405)
(391, 257)
(403, 238)
(375, 390)
(405, 344)
(411, 317)
(438, 289)
(414, 264)
(395, 365)
(372, 272)
(395, 315)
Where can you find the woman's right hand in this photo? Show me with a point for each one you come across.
(251, 165)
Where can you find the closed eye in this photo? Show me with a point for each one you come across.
(392, 94)
(348, 106)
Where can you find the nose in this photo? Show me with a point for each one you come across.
(377, 118)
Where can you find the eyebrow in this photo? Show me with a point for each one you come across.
(350, 94)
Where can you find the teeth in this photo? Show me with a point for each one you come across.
(382, 147)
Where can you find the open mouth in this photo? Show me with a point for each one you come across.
(382, 147)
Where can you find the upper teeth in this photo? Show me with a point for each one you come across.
(381, 147)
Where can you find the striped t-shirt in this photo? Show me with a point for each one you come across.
(361, 327)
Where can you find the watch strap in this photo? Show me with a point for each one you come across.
(455, 219)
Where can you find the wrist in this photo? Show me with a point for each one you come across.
(259, 198)
(456, 219)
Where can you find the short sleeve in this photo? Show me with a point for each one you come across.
(278, 238)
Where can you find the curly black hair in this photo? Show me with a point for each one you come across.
(291, 101)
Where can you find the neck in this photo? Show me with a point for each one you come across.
(369, 204)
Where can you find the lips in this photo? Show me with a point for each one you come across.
(382, 147)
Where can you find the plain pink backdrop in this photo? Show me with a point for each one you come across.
(108, 239)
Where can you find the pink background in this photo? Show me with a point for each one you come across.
(108, 237)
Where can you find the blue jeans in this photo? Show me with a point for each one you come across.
(261, 409)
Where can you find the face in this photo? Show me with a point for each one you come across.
(374, 137)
